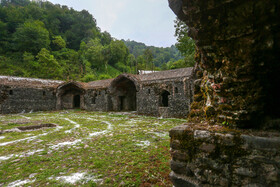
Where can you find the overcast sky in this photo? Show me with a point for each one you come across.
(147, 21)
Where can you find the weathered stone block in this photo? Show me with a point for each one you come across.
(182, 181)
(207, 147)
(245, 172)
(180, 168)
(175, 144)
(182, 130)
(179, 155)
(201, 134)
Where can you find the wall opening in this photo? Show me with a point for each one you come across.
(164, 98)
(123, 92)
(11, 92)
(121, 99)
(93, 99)
(70, 95)
(77, 101)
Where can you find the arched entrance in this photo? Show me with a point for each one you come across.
(70, 96)
(165, 99)
(123, 90)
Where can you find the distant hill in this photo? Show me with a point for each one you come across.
(161, 55)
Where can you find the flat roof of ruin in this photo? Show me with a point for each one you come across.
(100, 83)
(168, 74)
(44, 83)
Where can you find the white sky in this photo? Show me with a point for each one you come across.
(147, 21)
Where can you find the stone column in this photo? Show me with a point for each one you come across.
(238, 69)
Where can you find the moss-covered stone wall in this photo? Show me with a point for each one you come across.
(236, 84)
(238, 44)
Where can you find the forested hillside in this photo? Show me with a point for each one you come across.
(161, 56)
(43, 40)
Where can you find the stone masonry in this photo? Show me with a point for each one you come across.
(167, 94)
(217, 156)
(235, 88)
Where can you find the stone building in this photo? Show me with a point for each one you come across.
(26, 94)
(165, 93)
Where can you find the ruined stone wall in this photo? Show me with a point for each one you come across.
(237, 58)
(16, 100)
(149, 98)
(222, 157)
(98, 100)
(237, 82)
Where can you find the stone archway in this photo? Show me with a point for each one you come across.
(70, 95)
(123, 90)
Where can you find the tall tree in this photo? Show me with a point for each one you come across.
(49, 67)
(118, 52)
(185, 44)
(94, 54)
(31, 37)
(148, 55)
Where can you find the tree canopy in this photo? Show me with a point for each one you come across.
(45, 40)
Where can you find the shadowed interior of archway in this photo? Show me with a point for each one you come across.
(124, 91)
(164, 98)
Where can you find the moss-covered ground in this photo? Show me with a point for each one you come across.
(85, 149)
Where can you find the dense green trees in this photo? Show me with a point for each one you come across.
(52, 41)
(31, 37)
(40, 39)
(160, 55)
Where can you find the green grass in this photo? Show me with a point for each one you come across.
(106, 149)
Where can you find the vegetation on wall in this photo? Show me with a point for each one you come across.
(43, 40)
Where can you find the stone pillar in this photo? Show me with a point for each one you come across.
(237, 58)
(237, 82)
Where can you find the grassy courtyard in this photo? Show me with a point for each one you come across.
(85, 149)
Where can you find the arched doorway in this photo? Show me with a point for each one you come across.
(165, 99)
(70, 96)
(123, 91)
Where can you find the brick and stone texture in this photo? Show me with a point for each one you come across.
(217, 156)
(149, 97)
(17, 100)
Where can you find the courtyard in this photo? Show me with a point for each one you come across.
(79, 148)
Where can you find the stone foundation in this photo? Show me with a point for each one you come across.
(217, 156)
